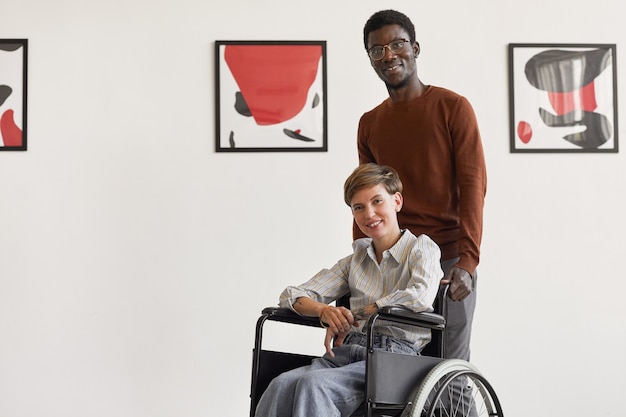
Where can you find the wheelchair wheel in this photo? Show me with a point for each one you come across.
(455, 388)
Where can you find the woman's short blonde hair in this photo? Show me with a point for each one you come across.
(370, 175)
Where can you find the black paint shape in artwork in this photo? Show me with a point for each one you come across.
(316, 100)
(296, 135)
(241, 106)
(597, 133)
(10, 47)
(5, 92)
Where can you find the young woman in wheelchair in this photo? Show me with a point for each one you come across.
(389, 267)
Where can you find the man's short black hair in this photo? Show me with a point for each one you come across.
(388, 17)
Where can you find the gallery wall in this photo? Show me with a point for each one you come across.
(134, 259)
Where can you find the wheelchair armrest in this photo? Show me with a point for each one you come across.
(391, 313)
(286, 315)
(406, 316)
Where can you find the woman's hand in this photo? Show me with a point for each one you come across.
(339, 334)
(338, 321)
(333, 340)
(365, 312)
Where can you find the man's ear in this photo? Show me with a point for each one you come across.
(416, 49)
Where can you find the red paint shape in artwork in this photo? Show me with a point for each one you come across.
(11, 134)
(298, 131)
(524, 131)
(581, 99)
(274, 79)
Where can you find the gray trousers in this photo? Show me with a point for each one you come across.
(457, 337)
(459, 320)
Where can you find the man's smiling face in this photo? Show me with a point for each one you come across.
(396, 70)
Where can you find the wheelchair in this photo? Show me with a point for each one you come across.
(397, 385)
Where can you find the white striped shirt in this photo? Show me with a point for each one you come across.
(408, 275)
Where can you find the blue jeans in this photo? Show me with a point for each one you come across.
(328, 387)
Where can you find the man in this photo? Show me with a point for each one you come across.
(431, 137)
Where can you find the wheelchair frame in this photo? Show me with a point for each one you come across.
(420, 383)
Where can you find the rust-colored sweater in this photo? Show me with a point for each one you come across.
(434, 143)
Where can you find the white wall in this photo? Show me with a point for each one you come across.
(134, 260)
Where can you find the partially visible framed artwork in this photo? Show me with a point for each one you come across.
(563, 98)
(270, 96)
(13, 80)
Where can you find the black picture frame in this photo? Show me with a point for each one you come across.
(270, 96)
(563, 98)
(13, 94)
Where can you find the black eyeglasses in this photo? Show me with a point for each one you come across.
(378, 52)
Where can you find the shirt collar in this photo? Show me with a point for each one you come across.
(396, 250)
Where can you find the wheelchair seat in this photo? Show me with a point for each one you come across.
(396, 384)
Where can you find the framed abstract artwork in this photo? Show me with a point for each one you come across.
(270, 96)
(13, 81)
(563, 98)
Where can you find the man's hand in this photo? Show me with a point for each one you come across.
(460, 281)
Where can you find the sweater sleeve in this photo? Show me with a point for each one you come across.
(472, 180)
